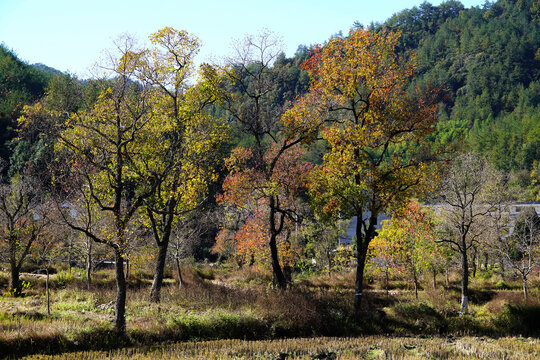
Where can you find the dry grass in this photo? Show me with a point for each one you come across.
(219, 303)
(505, 297)
(372, 347)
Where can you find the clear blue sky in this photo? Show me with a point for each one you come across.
(70, 34)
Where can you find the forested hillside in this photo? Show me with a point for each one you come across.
(485, 58)
(487, 62)
(488, 59)
(20, 84)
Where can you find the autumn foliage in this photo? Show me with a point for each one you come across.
(376, 129)
(248, 188)
(249, 244)
(406, 244)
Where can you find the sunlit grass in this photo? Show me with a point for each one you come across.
(370, 347)
(218, 304)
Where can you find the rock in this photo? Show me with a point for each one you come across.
(107, 306)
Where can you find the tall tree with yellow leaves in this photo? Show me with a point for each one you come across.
(183, 154)
(143, 147)
(378, 152)
(101, 148)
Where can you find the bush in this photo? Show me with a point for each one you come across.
(486, 275)
(467, 325)
(520, 319)
(204, 272)
(219, 326)
(502, 285)
(422, 317)
(61, 279)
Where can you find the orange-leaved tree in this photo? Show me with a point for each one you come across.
(376, 132)
(270, 169)
(267, 189)
(248, 245)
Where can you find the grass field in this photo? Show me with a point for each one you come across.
(370, 347)
(222, 303)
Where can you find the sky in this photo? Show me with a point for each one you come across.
(70, 35)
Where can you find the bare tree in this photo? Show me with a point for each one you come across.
(50, 246)
(187, 237)
(21, 223)
(521, 247)
(82, 247)
(499, 226)
(467, 200)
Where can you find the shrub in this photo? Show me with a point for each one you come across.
(61, 279)
(467, 325)
(519, 319)
(486, 275)
(502, 285)
(422, 317)
(219, 326)
(206, 273)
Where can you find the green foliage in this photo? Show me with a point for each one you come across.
(487, 58)
(61, 279)
(502, 285)
(219, 326)
(487, 274)
(520, 319)
(20, 84)
(428, 319)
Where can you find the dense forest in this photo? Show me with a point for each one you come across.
(488, 59)
(278, 171)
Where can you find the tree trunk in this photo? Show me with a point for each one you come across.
(127, 268)
(447, 277)
(163, 246)
(14, 282)
(276, 267)
(464, 284)
(179, 270)
(525, 289)
(69, 252)
(329, 257)
(362, 243)
(274, 232)
(161, 259)
(386, 278)
(89, 243)
(121, 288)
(434, 278)
(474, 260)
(415, 279)
(360, 265)
(89, 268)
(486, 260)
(48, 295)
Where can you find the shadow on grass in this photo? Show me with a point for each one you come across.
(300, 311)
